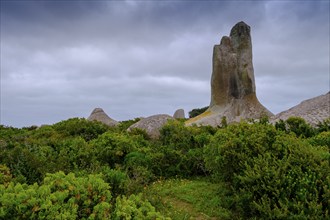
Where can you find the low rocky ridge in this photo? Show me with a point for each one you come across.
(152, 124)
(313, 110)
(233, 90)
(99, 115)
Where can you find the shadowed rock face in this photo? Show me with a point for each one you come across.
(233, 91)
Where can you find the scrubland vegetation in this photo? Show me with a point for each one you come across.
(76, 169)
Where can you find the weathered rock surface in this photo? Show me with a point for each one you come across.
(233, 91)
(179, 114)
(152, 124)
(99, 115)
(313, 110)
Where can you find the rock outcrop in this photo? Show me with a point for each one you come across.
(179, 114)
(152, 124)
(313, 110)
(99, 115)
(233, 91)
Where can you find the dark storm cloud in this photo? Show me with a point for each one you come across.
(61, 59)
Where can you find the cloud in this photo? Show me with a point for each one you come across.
(61, 59)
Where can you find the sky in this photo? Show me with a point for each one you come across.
(62, 59)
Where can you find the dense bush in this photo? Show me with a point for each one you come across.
(111, 148)
(180, 150)
(296, 125)
(197, 111)
(118, 180)
(59, 197)
(63, 196)
(273, 175)
(323, 125)
(81, 127)
(135, 207)
(272, 172)
(321, 139)
(5, 175)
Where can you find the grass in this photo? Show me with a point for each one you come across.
(190, 199)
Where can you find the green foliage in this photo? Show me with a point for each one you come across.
(180, 151)
(260, 171)
(264, 119)
(117, 179)
(324, 125)
(5, 175)
(88, 130)
(299, 127)
(59, 197)
(124, 125)
(296, 125)
(280, 125)
(11, 137)
(232, 147)
(272, 174)
(138, 167)
(176, 135)
(197, 111)
(321, 139)
(224, 122)
(135, 207)
(75, 154)
(111, 148)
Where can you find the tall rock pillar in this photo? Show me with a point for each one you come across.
(232, 73)
(233, 91)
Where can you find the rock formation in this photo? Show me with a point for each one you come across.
(233, 91)
(99, 115)
(152, 124)
(313, 110)
(179, 114)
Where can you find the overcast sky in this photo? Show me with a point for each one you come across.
(61, 59)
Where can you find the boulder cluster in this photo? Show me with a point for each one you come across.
(151, 125)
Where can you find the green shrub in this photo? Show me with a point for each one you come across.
(135, 207)
(321, 139)
(59, 197)
(81, 127)
(323, 126)
(179, 151)
(296, 125)
(5, 175)
(197, 111)
(117, 179)
(299, 127)
(273, 175)
(176, 135)
(112, 147)
(232, 147)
